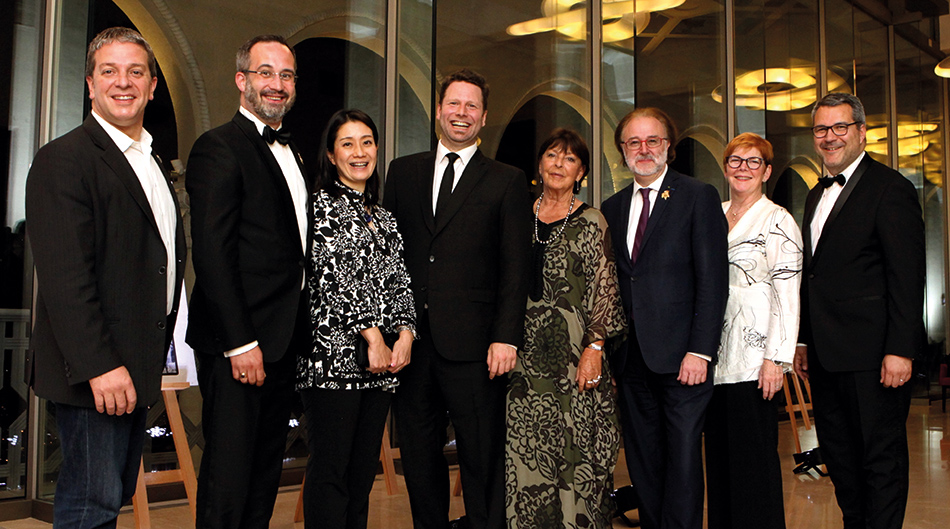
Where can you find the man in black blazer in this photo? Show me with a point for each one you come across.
(250, 314)
(467, 251)
(862, 315)
(109, 247)
(669, 236)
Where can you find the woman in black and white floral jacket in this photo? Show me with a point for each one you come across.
(359, 294)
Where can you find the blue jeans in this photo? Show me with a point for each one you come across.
(101, 455)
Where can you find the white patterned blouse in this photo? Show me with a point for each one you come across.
(762, 312)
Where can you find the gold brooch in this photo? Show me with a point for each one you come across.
(665, 195)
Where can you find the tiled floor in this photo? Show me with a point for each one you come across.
(809, 500)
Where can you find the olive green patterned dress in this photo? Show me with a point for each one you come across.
(562, 444)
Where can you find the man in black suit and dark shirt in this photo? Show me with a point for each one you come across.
(109, 248)
(466, 224)
(862, 315)
(250, 313)
(669, 236)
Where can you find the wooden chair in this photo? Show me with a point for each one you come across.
(386, 454)
(800, 405)
(185, 473)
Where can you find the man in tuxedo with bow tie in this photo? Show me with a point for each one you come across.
(250, 314)
(862, 315)
(109, 249)
(465, 221)
(669, 236)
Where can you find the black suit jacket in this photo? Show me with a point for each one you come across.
(246, 249)
(470, 270)
(100, 266)
(676, 292)
(863, 289)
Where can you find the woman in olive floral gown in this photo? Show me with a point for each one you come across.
(563, 431)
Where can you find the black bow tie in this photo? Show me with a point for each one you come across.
(826, 181)
(281, 136)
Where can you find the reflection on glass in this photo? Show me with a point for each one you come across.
(622, 19)
(674, 63)
(22, 33)
(776, 85)
(540, 80)
(921, 159)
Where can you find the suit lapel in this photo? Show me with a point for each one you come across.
(662, 198)
(626, 198)
(839, 203)
(117, 161)
(811, 203)
(473, 172)
(425, 176)
(274, 171)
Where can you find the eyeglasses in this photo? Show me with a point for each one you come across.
(753, 163)
(840, 129)
(267, 75)
(652, 142)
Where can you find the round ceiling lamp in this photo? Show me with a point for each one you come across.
(943, 67)
(780, 89)
(622, 19)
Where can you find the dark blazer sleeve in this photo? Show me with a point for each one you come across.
(513, 268)
(899, 222)
(711, 266)
(61, 213)
(215, 185)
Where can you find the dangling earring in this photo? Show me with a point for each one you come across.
(577, 187)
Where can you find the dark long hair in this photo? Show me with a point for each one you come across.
(327, 175)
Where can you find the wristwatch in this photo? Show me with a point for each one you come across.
(595, 347)
(407, 328)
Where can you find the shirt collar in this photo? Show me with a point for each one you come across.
(656, 185)
(121, 139)
(465, 154)
(255, 120)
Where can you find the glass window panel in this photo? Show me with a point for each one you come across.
(919, 130)
(415, 91)
(776, 85)
(857, 51)
(675, 62)
(21, 42)
(535, 55)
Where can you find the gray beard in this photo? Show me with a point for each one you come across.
(266, 112)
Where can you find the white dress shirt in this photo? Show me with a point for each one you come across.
(827, 202)
(155, 186)
(636, 206)
(441, 163)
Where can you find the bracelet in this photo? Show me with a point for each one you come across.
(595, 347)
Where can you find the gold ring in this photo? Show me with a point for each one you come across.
(243, 375)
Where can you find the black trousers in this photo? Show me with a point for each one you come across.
(862, 433)
(432, 390)
(344, 433)
(662, 434)
(245, 429)
(743, 472)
